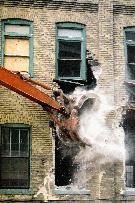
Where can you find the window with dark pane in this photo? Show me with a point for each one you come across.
(70, 52)
(130, 52)
(130, 35)
(129, 176)
(69, 59)
(131, 94)
(15, 157)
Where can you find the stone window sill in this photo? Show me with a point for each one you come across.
(70, 191)
(16, 191)
(129, 192)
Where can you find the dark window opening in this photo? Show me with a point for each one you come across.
(131, 62)
(69, 50)
(131, 98)
(65, 167)
(69, 85)
(131, 71)
(69, 60)
(130, 52)
(130, 35)
(131, 94)
(14, 157)
(129, 128)
(69, 68)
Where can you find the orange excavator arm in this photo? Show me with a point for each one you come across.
(62, 110)
(16, 83)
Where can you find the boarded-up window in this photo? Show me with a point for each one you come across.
(17, 52)
(17, 47)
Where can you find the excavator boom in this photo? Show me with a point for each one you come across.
(14, 82)
(63, 110)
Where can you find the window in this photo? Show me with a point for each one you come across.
(129, 127)
(14, 157)
(130, 53)
(131, 94)
(17, 45)
(71, 51)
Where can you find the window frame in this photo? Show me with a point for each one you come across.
(127, 43)
(19, 36)
(130, 163)
(72, 26)
(19, 190)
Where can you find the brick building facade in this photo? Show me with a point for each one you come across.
(108, 30)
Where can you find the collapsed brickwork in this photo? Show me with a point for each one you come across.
(104, 20)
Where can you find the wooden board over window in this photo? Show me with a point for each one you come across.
(17, 63)
(17, 47)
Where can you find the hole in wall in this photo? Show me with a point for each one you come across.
(65, 167)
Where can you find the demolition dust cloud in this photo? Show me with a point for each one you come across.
(100, 129)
